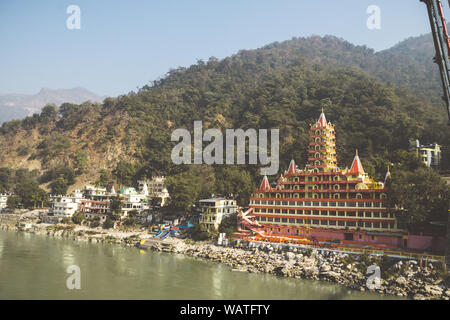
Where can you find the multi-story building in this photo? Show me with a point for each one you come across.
(214, 210)
(155, 189)
(3, 201)
(429, 154)
(325, 202)
(133, 201)
(64, 206)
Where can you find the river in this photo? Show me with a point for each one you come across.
(34, 267)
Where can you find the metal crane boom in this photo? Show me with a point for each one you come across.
(442, 45)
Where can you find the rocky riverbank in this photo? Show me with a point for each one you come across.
(413, 279)
(401, 278)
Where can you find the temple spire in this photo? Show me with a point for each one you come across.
(322, 120)
(291, 169)
(264, 184)
(388, 176)
(356, 168)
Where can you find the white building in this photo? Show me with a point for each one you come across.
(3, 201)
(132, 200)
(155, 189)
(90, 191)
(64, 207)
(215, 210)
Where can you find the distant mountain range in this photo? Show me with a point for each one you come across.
(18, 106)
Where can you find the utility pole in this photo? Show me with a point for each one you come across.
(442, 45)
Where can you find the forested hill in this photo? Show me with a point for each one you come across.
(373, 98)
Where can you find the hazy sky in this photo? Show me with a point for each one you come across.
(122, 45)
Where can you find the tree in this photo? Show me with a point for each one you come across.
(77, 218)
(422, 194)
(235, 182)
(60, 186)
(187, 187)
(13, 202)
(108, 224)
(229, 225)
(80, 161)
(116, 206)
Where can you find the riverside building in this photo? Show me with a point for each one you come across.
(324, 202)
(214, 210)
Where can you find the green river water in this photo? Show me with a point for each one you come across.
(34, 267)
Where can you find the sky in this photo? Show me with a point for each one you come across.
(122, 45)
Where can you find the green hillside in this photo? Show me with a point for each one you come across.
(376, 100)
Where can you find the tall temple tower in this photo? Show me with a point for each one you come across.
(322, 146)
(324, 201)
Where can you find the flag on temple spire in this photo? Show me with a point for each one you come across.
(291, 169)
(356, 168)
(265, 184)
(322, 120)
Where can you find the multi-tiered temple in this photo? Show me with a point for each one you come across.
(325, 202)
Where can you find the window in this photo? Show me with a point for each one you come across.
(284, 220)
(376, 224)
(277, 219)
(292, 203)
(336, 196)
(351, 224)
(341, 214)
(315, 221)
(332, 222)
(291, 220)
(324, 222)
(284, 203)
(332, 213)
(341, 223)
